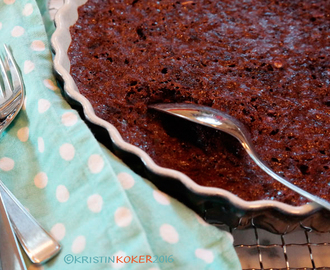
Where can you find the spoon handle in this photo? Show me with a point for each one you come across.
(36, 242)
(253, 154)
(10, 254)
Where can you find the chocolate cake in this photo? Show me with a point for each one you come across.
(265, 62)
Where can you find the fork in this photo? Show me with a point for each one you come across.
(12, 92)
(36, 242)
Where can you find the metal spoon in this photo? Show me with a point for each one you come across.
(37, 243)
(11, 256)
(219, 120)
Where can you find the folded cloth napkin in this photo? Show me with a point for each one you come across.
(89, 200)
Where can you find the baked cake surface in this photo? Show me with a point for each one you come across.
(264, 62)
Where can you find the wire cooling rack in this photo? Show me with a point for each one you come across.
(301, 249)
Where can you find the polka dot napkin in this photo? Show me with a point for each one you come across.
(104, 215)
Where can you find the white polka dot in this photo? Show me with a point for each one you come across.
(69, 119)
(204, 254)
(123, 217)
(17, 31)
(0, 25)
(58, 231)
(35, 267)
(28, 66)
(126, 180)
(169, 234)
(41, 180)
(28, 9)
(153, 268)
(50, 84)
(67, 151)
(78, 244)
(161, 197)
(23, 134)
(38, 46)
(118, 264)
(95, 203)
(62, 193)
(43, 105)
(95, 163)
(41, 145)
(7, 164)
(9, 2)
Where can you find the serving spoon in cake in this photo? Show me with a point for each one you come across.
(213, 118)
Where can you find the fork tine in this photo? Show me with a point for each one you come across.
(9, 101)
(17, 80)
(2, 96)
(7, 91)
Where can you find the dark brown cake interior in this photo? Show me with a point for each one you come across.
(264, 62)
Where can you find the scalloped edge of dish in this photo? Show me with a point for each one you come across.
(60, 42)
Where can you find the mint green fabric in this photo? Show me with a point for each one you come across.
(87, 198)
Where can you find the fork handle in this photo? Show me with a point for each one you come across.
(10, 254)
(39, 245)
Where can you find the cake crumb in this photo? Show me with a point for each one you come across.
(278, 64)
(187, 3)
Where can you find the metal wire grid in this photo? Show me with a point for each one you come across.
(301, 249)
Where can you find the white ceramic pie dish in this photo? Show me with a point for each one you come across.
(213, 204)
